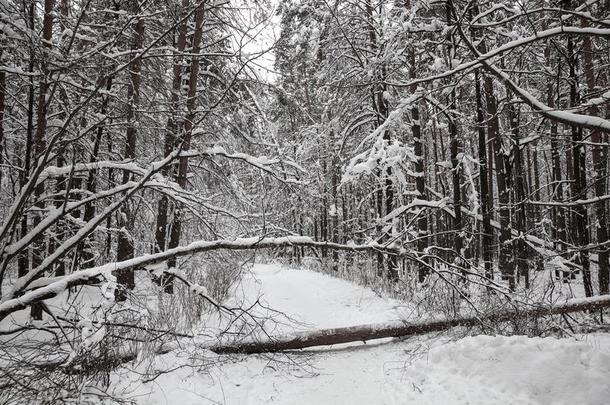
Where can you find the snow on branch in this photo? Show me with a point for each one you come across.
(58, 171)
(516, 12)
(482, 58)
(381, 153)
(565, 117)
(50, 287)
(261, 162)
(54, 214)
(88, 228)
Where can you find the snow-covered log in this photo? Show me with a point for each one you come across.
(326, 337)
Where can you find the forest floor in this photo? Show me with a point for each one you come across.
(431, 369)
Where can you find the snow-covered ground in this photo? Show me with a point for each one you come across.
(421, 370)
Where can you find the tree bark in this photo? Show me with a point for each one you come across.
(89, 211)
(556, 191)
(40, 135)
(363, 333)
(420, 179)
(170, 142)
(334, 185)
(125, 247)
(385, 194)
(2, 102)
(23, 260)
(600, 162)
(181, 177)
(458, 240)
(519, 245)
(579, 184)
(505, 262)
(487, 231)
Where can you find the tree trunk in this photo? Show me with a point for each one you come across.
(520, 247)
(334, 184)
(171, 136)
(420, 179)
(181, 177)
(40, 135)
(556, 192)
(2, 98)
(324, 208)
(89, 211)
(125, 247)
(23, 260)
(505, 262)
(600, 161)
(385, 195)
(458, 226)
(363, 333)
(579, 189)
(487, 231)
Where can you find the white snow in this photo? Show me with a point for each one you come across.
(421, 370)
(511, 370)
(319, 301)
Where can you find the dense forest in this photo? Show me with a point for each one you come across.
(451, 154)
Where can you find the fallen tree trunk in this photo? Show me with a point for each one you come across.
(326, 337)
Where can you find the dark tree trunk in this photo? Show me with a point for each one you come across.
(334, 184)
(385, 195)
(487, 231)
(170, 142)
(23, 260)
(505, 262)
(556, 191)
(191, 102)
(2, 102)
(362, 333)
(454, 147)
(420, 179)
(40, 136)
(600, 162)
(519, 201)
(89, 211)
(324, 209)
(579, 184)
(125, 247)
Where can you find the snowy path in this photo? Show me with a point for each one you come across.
(318, 300)
(480, 370)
